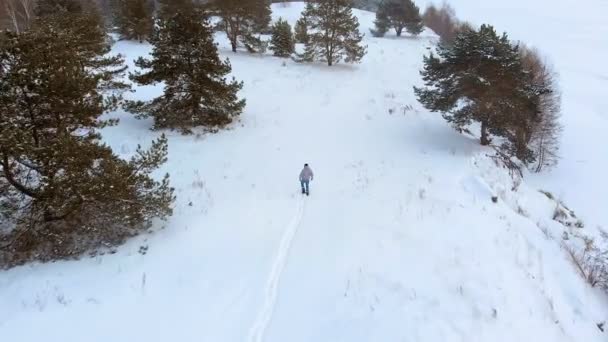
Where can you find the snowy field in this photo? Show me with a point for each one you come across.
(400, 240)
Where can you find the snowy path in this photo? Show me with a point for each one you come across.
(272, 288)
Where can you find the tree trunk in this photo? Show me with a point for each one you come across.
(234, 45)
(232, 31)
(11, 11)
(399, 31)
(485, 139)
(522, 145)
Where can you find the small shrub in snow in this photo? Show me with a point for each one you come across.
(198, 182)
(560, 214)
(521, 211)
(422, 194)
(546, 232)
(505, 161)
(565, 216)
(592, 262)
(143, 250)
(548, 194)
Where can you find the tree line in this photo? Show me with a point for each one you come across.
(63, 192)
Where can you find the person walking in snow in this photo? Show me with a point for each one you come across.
(306, 177)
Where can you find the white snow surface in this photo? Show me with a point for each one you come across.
(399, 241)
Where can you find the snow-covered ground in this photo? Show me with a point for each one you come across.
(400, 240)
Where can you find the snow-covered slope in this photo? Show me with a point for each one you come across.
(400, 240)
(573, 37)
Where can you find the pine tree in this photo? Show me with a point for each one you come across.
(241, 19)
(382, 23)
(67, 192)
(133, 18)
(412, 18)
(84, 24)
(398, 14)
(301, 31)
(333, 32)
(186, 60)
(477, 78)
(263, 16)
(282, 42)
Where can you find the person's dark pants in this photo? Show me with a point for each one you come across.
(305, 186)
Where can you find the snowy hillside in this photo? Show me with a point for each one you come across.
(399, 241)
(573, 38)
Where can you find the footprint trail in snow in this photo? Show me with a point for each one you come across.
(272, 288)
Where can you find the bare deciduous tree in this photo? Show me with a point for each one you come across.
(20, 14)
(545, 134)
(443, 22)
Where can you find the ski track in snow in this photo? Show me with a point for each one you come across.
(272, 288)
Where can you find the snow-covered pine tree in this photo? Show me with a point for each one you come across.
(282, 42)
(185, 59)
(333, 32)
(475, 79)
(133, 19)
(301, 31)
(398, 14)
(67, 192)
(241, 20)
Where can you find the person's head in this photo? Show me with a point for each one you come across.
(305, 165)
